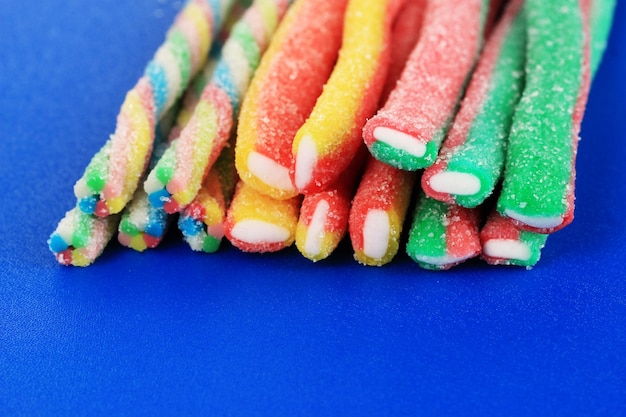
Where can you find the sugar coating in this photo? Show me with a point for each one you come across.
(324, 215)
(80, 238)
(424, 101)
(256, 222)
(209, 128)
(165, 78)
(383, 189)
(471, 159)
(443, 235)
(538, 185)
(332, 133)
(202, 221)
(284, 89)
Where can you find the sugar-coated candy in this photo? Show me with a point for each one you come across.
(471, 158)
(112, 176)
(538, 186)
(290, 77)
(328, 140)
(202, 221)
(443, 235)
(504, 244)
(177, 178)
(378, 212)
(408, 130)
(256, 222)
(539, 180)
(323, 220)
(80, 238)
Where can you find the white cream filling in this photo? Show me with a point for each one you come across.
(152, 183)
(81, 189)
(258, 231)
(376, 231)
(315, 233)
(269, 171)
(457, 183)
(400, 140)
(306, 157)
(538, 222)
(507, 249)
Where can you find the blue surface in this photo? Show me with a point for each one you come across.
(171, 332)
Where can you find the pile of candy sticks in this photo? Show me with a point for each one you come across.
(453, 125)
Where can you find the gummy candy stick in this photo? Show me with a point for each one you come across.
(538, 186)
(143, 225)
(471, 158)
(379, 207)
(202, 221)
(408, 130)
(80, 238)
(443, 235)
(113, 174)
(326, 143)
(378, 212)
(177, 178)
(282, 94)
(256, 222)
(505, 244)
(323, 220)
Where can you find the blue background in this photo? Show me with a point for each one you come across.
(171, 332)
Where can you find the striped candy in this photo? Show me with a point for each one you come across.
(111, 178)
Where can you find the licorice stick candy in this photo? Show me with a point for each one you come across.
(504, 244)
(326, 143)
(256, 222)
(283, 92)
(80, 238)
(378, 212)
(202, 221)
(471, 158)
(443, 235)
(323, 220)
(539, 179)
(112, 176)
(408, 130)
(178, 176)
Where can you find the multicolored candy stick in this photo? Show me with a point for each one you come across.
(282, 94)
(326, 143)
(143, 225)
(323, 220)
(443, 235)
(538, 187)
(505, 244)
(112, 176)
(471, 158)
(202, 221)
(378, 212)
(256, 222)
(178, 176)
(80, 238)
(408, 130)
